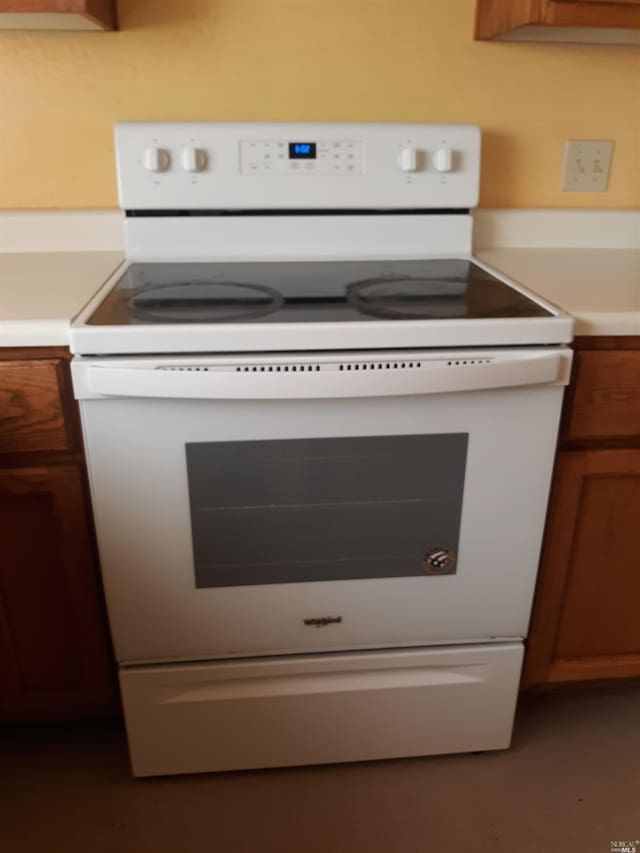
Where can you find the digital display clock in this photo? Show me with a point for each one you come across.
(302, 151)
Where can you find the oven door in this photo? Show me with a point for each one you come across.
(275, 505)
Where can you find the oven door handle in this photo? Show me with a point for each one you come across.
(437, 377)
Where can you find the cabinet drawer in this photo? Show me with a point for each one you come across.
(31, 410)
(606, 401)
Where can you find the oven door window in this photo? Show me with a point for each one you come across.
(325, 509)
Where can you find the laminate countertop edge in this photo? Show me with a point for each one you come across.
(599, 288)
(41, 293)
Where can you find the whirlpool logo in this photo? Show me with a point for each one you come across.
(323, 621)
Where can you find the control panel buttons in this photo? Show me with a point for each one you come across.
(193, 159)
(408, 159)
(317, 158)
(156, 159)
(443, 160)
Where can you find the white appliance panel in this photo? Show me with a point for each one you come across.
(328, 158)
(248, 633)
(151, 159)
(136, 454)
(293, 237)
(320, 709)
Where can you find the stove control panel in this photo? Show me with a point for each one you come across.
(284, 157)
(244, 166)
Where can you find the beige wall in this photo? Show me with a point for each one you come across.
(374, 60)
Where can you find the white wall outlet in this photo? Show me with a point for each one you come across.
(586, 165)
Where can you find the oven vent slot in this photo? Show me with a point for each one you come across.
(187, 368)
(331, 366)
(409, 365)
(380, 365)
(278, 368)
(246, 368)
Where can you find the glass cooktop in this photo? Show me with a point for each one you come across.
(309, 292)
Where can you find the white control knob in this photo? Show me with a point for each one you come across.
(408, 159)
(156, 159)
(193, 159)
(443, 160)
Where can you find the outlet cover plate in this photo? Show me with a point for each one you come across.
(586, 165)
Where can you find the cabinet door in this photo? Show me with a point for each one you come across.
(32, 406)
(593, 21)
(54, 658)
(590, 13)
(604, 400)
(58, 14)
(603, 2)
(586, 620)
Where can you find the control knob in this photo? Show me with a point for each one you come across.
(193, 159)
(408, 159)
(443, 160)
(156, 159)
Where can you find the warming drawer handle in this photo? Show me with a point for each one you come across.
(537, 369)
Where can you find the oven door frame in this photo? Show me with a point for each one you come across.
(138, 414)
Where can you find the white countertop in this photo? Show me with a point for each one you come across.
(600, 288)
(40, 293)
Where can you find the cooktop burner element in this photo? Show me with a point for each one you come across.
(201, 302)
(307, 292)
(407, 298)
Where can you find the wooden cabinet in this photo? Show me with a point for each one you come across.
(586, 617)
(596, 21)
(58, 14)
(604, 397)
(31, 406)
(55, 658)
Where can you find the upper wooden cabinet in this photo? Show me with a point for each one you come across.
(594, 21)
(57, 14)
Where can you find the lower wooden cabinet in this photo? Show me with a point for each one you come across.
(586, 616)
(55, 658)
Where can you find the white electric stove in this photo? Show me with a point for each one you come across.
(320, 437)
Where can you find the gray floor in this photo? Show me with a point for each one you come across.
(571, 782)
